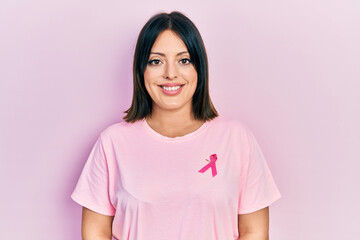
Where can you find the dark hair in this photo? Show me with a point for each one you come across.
(177, 22)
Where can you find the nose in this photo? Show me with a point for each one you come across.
(170, 71)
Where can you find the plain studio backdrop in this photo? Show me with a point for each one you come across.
(289, 69)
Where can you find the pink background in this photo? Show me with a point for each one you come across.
(289, 69)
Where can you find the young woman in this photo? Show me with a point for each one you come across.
(174, 169)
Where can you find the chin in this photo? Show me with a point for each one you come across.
(170, 107)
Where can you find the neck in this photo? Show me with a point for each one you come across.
(172, 123)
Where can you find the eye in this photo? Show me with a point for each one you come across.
(154, 62)
(185, 61)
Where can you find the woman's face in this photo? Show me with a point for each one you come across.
(169, 64)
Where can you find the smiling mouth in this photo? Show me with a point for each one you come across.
(171, 88)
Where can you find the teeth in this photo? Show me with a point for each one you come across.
(171, 88)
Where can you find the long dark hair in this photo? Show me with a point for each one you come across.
(177, 22)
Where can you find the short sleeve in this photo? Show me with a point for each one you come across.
(258, 189)
(92, 188)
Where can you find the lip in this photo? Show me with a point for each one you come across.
(171, 93)
(171, 84)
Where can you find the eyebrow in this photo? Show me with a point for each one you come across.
(162, 54)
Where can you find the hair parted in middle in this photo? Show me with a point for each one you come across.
(183, 27)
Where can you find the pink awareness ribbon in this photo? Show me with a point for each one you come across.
(211, 164)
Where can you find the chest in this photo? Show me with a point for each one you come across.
(159, 174)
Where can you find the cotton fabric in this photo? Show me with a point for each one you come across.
(152, 186)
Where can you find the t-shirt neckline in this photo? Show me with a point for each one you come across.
(185, 137)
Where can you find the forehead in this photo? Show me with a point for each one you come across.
(168, 42)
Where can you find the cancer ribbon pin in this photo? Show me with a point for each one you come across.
(211, 164)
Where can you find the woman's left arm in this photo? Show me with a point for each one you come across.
(255, 225)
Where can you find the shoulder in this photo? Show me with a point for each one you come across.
(234, 125)
(119, 129)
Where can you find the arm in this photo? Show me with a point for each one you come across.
(255, 225)
(95, 226)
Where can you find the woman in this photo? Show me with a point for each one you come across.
(174, 169)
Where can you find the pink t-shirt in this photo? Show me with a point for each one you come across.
(190, 187)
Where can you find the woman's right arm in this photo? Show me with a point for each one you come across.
(95, 226)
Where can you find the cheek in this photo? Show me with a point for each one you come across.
(148, 78)
(146, 75)
(150, 75)
(191, 75)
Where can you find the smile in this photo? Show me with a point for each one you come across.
(171, 91)
(171, 88)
